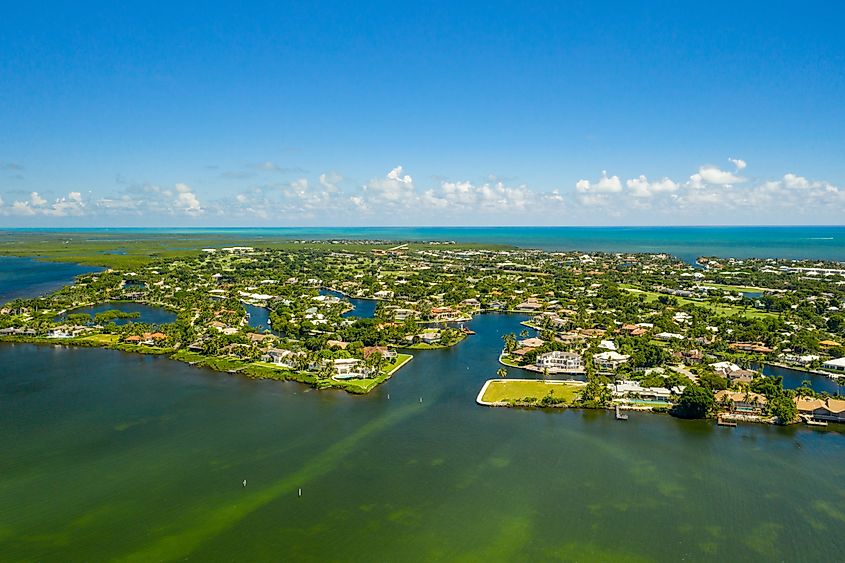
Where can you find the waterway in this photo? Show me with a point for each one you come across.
(148, 313)
(258, 317)
(113, 455)
(27, 278)
(362, 308)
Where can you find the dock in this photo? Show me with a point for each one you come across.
(722, 422)
(620, 415)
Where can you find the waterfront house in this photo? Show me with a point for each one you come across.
(741, 402)
(560, 362)
(66, 331)
(610, 360)
(803, 359)
(532, 342)
(281, 357)
(835, 365)
(351, 368)
(821, 409)
(430, 337)
(444, 314)
(530, 304)
(385, 352)
(521, 351)
(632, 389)
(17, 331)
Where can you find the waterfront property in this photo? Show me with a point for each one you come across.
(832, 410)
(837, 364)
(560, 362)
(742, 402)
(524, 392)
(634, 390)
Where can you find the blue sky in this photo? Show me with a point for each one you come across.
(391, 113)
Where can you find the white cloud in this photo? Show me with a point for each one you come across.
(70, 205)
(738, 163)
(394, 188)
(187, 201)
(36, 200)
(330, 180)
(640, 187)
(604, 185)
(713, 175)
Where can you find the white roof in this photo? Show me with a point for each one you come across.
(607, 345)
(838, 362)
(725, 365)
(611, 356)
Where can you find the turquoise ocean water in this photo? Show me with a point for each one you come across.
(800, 242)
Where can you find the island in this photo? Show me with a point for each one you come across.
(601, 330)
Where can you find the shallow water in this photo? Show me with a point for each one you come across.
(112, 455)
(27, 278)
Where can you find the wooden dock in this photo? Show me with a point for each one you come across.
(722, 422)
(620, 415)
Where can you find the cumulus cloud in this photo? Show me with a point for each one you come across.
(709, 194)
(738, 163)
(713, 175)
(330, 180)
(604, 185)
(36, 205)
(186, 200)
(640, 187)
(394, 188)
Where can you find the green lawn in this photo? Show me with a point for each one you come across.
(505, 390)
(723, 309)
(100, 339)
(739, 288)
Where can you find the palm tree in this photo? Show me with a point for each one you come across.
(510, 342)
(501, 373)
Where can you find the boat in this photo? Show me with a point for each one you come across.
(814, 422)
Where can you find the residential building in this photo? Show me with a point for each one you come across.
(741, 402)
(560, 362)
(835, 365)
(610, 360)
(821, 409)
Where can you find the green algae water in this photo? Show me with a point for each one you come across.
(108, 456)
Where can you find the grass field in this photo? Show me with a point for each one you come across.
(504, 390)
(126, 250)
(736, 288)
(723, 309)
